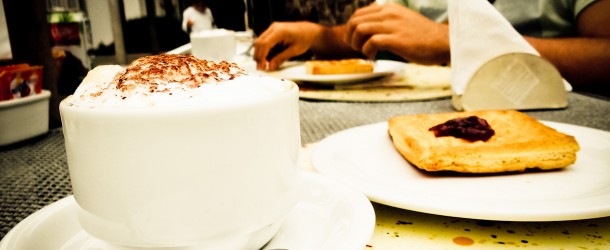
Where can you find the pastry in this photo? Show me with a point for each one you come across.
(514, 142)
(345, 66)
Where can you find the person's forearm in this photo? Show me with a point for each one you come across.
(580, 60)
(331, 44)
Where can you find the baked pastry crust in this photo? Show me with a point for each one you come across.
(520, 142)
(345, 66)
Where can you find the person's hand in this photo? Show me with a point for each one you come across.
(400, 30)
(189, 23)
(294, 38)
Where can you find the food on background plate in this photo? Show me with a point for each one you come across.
(409, 83)
(345, 66)
(493, 141)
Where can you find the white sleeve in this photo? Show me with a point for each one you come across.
(212, 22)
(185, 17)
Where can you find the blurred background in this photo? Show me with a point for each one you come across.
(70, 37)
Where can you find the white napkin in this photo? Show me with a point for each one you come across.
(494, 67)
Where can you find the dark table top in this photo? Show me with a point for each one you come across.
(34, 173)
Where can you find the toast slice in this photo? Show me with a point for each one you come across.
(345, 66)
(519, 142)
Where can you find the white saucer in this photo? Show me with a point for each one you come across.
(330, 216)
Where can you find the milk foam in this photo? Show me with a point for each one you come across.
(101, 88)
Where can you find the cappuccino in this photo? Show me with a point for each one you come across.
(172, 80)
(175, 151)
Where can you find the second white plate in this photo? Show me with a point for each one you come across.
(365, 158)
(382, 68)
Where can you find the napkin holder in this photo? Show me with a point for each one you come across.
(494, 67)
(518, 81)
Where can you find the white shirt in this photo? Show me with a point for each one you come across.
(538, 18)
(201, 21)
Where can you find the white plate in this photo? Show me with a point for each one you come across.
(330, 216)
(382, 68)
(365, 158)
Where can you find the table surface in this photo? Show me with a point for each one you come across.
(34, 174)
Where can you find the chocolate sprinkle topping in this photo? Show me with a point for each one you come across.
(185, 69)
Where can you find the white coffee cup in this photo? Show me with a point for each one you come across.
(219, 176)
(214, 45)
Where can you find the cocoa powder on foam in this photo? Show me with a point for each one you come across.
(167, 80)
(185, 69)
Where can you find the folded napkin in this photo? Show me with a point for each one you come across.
(494, 67)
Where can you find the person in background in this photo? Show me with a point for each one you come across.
(197, 17)
(324, 12)
(570, 34)
(71, 71)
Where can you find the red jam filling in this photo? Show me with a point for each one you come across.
(470, 128)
